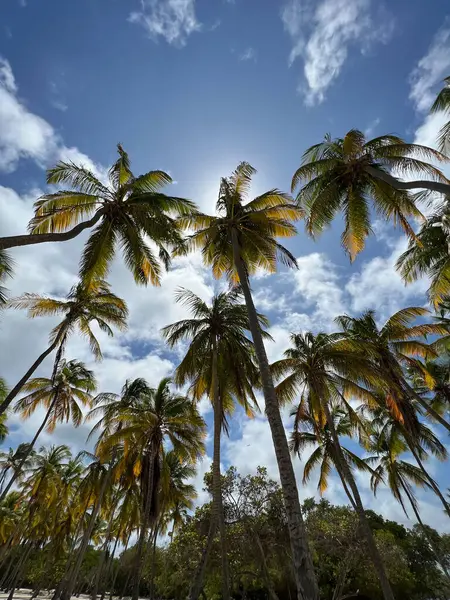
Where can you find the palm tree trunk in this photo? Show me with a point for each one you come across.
(113, 585)
(217, 514)
(73, 573)
(153, 564)
(109, 568)
(429, 409)
(18, 571)
(426, 184)
(101, 564)
(346, 476)
(12, 241)
(16, 389)
(430, 480)
(424, 530)
(18, 471)
(301, 556)
(272, 593)
(144, 526)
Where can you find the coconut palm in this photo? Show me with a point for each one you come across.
(239, 242)
(126, 211)
(10, 461)
(309, 432)
(343, 174)
(392, 347)
(160, 416)
(324, 369)
(399, 475)
(6, 270)
(63, 396)
(220, 363)
(428, 254)
(433, 383)
(83, 306)
(3, 431)
(442, 104)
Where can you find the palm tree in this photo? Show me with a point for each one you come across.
(84, 305)
(219, 363)
(309, 432)
(324, 369)
(126, 211)
(393, 347)
(10, 461)
(428, 254)
(6, 270)
(342, 174)
(63, 396)
(442, 104)
(399, 476)
(160, 416)
(434, 379)
(237, 243)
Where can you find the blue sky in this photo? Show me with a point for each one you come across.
(194, 87)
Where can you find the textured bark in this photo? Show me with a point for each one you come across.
(424, 529)
(346, 476)
(136, 578)
(28, 239)
(18, 471)
(301, 556)
(434, 186)
(16, 389)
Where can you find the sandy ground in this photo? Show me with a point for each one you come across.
(24, 594)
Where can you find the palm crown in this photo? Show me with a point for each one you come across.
(256, 224)
(343, 174)
(128, 210)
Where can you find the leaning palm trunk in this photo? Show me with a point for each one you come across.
(17, 472)
(346, 476)
(430, 480)
(67, 589)
(217, 515)
(424, 530)
(19, 385)
(144, 526)
(301, 557)
(100, 566)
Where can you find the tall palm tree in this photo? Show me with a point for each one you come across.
(442, 104)
(160, 416)
(393, 347)
(10, 461)
(83, 306)
(63, 395)
(399, 475)
(219, 363)
(309, 432)
(323, 369)
(343, 174)
(238, 242)
(125, 211)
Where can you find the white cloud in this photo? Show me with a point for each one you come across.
(249, 54)
(174, 20)
(430, 71)
(370, 129)
(322, 33)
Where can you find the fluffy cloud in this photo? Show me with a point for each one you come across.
(322, 33)
(248, 54)
(430, 70)
(174, 20)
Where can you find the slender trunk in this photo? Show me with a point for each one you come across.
(13, 241)
(99, 572)
(144, 526)
(113, 585)
(127, 581)
(268, 579)
(301, 556)
(429, 409)
(153, 564)
(425, 184)
(17, 472)
(73, 573)
(109, 568)
(424, 530)
(7, 572)
(346, 475)
(18, 571)
(430, 480)
(217, 515)
(16, 389)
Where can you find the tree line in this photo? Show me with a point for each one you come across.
(397, 372)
